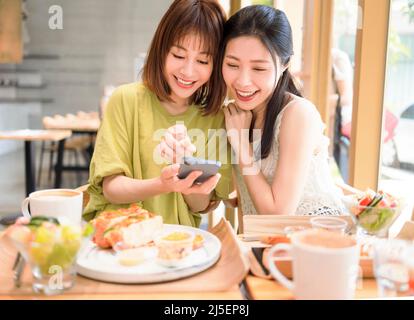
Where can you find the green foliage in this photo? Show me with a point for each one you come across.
(409, 10)
(263, 2)
(397, 51)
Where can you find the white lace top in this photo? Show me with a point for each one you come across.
(319, 196)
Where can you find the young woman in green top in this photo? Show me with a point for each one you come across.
(181, 89)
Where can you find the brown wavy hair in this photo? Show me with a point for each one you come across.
(204, 18)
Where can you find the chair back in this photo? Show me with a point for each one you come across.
(86, 197)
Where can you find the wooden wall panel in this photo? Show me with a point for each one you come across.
(10, 31)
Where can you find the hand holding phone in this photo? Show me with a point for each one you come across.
(172, 183)
(208, 168)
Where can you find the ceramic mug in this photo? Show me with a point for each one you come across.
(325, 265)
(63, 204)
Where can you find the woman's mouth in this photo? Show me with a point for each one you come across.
(183, 83)
(246, 95)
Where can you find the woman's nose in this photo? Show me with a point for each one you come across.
(243, 78)
(187, 69)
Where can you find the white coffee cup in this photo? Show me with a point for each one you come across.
(325, 265)
(63, 204)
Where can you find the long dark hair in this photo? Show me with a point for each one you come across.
(272, 28)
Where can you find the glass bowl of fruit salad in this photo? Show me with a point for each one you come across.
(51, 249)
(374, 212)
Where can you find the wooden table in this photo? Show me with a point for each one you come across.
(227, 295)
(24, 293)
(232, 294)
(264, 289)
(28, 136)
(83, 122)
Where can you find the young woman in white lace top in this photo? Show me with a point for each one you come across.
(284, 168)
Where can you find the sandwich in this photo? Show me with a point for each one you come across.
(126, 228)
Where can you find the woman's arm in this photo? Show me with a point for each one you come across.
(199, 199)
(297, 140)
(198, 202)
(120, 189)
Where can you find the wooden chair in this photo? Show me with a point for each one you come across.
(86, 197)
(76, 145)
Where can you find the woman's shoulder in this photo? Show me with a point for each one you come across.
(130, 95)
(300, 109)
(131, 90)
(299, 115)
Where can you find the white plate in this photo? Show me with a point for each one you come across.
(103, 265)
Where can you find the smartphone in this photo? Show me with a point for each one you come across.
(208, 167)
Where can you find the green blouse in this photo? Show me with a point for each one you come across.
(132, 127)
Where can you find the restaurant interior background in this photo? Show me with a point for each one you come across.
(65, 57)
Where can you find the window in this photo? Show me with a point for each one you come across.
(341, 88)
(226, 6)
(397, 156)
(246, 3)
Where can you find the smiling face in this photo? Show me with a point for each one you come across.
(187, 67)
(250, 75)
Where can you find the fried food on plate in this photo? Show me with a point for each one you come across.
(126, 227)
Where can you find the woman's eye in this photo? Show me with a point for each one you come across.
(259, 69)
(233, 66)
(202, 61)
(177, 56)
